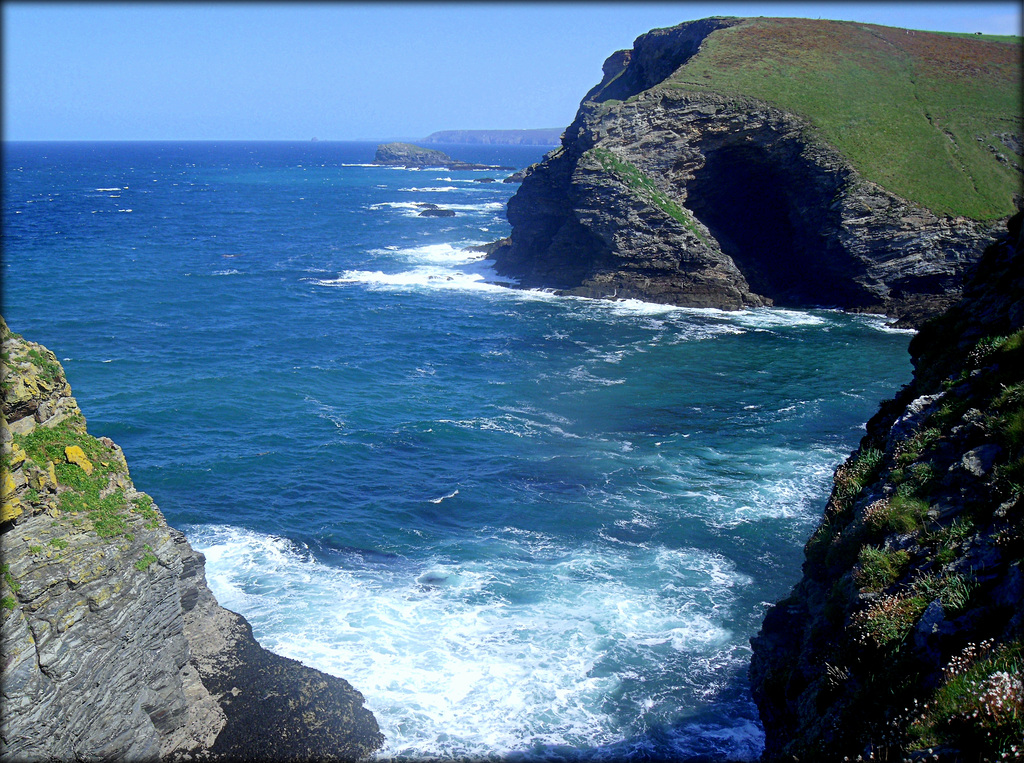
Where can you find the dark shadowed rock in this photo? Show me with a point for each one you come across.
(113, 646)
(912, 582)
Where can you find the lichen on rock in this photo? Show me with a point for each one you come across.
(114, 648)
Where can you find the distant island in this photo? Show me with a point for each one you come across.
(409, 155)
(545, 136)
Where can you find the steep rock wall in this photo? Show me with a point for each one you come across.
(906, 632)
(113, 646)
(702, 199)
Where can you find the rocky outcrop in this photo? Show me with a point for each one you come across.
(906, 632)
(409, 155)
(705, 199)
(113, 646)
(433, 210)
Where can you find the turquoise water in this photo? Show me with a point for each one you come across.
(523, 526)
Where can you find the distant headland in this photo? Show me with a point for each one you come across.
(545, 136)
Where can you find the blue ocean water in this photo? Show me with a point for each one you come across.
(523, 526)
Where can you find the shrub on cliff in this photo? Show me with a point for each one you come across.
(906, 631)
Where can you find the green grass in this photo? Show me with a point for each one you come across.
(854, 476)
(900, 514)
(13, 584)
(952, 590)
(645, 187)
(47, 366)
(888, 620)
(108, 514)
(880, 567)
(44, 444)
(968, 710)
(147, 559)
(907, 110)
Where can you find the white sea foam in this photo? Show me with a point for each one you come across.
(882, 323)
(445, 497)
(447, 253)
(432, 189)
(519, 650)
(774, 483)
(773, 317)
(424, 277)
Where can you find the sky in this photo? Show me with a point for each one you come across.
(349, 70)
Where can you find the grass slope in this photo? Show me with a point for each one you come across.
(919, 113)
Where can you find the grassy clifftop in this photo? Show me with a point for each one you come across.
(934, 118)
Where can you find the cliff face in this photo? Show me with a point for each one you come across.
(113, 646)
(686, 195)
(906, 631)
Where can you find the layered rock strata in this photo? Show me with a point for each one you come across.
(702, 199)
(905, 637)
(113, 646)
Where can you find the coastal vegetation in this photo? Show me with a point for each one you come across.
(645, 187)
(933, 118)
(905, 631)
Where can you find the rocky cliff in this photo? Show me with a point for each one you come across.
(906, 632)
(113, 646)
(675, 185)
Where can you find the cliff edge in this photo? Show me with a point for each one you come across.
(905, 637)
(113, 646)
(736, 163)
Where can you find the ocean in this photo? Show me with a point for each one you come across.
(524, 526)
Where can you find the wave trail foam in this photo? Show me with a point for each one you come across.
(526, 644)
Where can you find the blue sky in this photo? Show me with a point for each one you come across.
(349, 71)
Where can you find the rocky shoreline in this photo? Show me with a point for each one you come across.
(905, 637)
(114, 648)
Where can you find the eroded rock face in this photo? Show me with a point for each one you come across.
(113, 646)
(909, 604)
(705, 200)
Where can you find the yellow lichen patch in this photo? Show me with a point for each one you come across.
(17, 456)
(10, 509)
(75, 455)
(11, 506)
